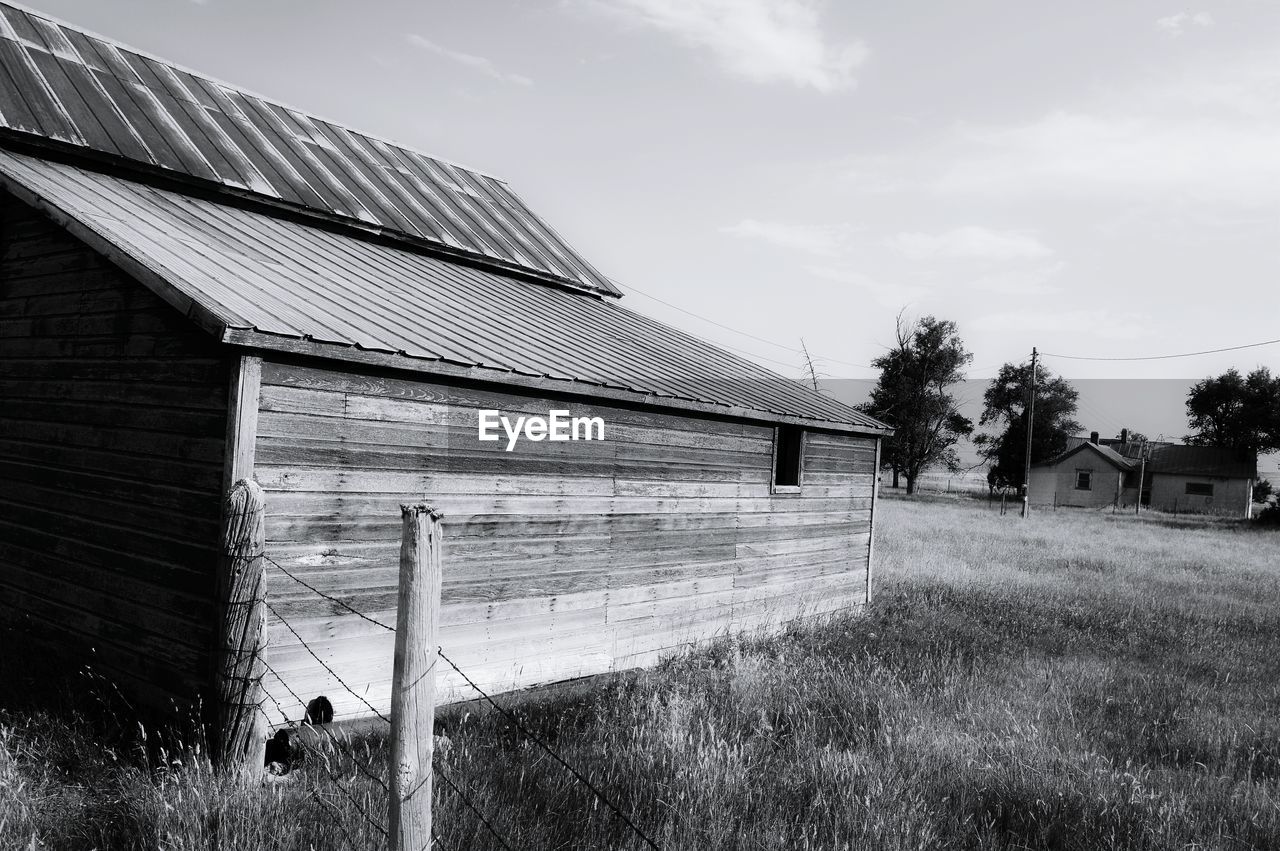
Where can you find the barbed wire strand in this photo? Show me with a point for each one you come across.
(471, 806)
(529, 733)
(534, 736)
(328, 597)
(453, 786)
(337, 780)
(434, 835)
(324, 729)
(323, 663)
(336, 814)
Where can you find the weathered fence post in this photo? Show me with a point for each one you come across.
(413, 689)
(242, 634)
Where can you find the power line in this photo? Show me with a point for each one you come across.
(1169, 357)
(756, 356)
(638, 291)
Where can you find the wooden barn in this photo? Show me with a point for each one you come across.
(199, 285)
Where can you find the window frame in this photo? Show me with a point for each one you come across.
(774, 486)
(1089, 479)
(1187, 486)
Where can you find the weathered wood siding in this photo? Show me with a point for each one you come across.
(112, 420)
(560, 559)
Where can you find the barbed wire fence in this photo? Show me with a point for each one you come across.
(316, 745)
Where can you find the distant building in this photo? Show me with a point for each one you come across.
(1096, 472)
(1087, 475)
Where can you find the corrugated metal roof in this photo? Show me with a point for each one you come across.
(60, 83)
(246, 273)
(1181, 459)
(1203, 461)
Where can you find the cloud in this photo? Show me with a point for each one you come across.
(970, 242)
(1082, 154)
(1022, 282)
(887, 294)
(764, 41)
(476, 63)
(1207, 132)
(820, 240)
(1079, 155)
(1174, 25)
(1104, 324)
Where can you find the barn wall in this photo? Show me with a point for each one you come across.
(561, 559)
(112, 415)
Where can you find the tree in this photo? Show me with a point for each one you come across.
(810, 371)
(1236, 411)
(912, 394)
(1005, 409)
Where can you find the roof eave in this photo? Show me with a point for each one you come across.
(1055, 461)
(206, 318)
(263, 341)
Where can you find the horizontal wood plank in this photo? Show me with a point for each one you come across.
(112, 413)
(559, 559)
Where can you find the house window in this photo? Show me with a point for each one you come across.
(1084, 480)
(1199, 489)
(788, 445)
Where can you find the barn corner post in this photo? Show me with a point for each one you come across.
(871, 520)
(240, 736)
(413, 689)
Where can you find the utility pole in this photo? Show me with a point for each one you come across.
(1142, 478)
(1031, 413)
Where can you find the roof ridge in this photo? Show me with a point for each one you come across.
(67, 86)
(117, 43)
(341, 297)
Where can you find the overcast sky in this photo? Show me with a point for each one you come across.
(1096, 179)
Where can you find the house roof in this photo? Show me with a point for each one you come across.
(271, 282)
(66, 88)
(1203, 461)
(1110, 455)
(1179, 459)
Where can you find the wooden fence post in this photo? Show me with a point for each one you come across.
(242, 634)
(413, 689)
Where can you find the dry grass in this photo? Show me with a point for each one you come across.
(1077, 682)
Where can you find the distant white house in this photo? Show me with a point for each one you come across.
(1095, 472)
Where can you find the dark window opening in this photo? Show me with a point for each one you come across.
(788, 443)
(1084, 480)
(1199, 489)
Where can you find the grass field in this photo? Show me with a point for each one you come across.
(1076, 681)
